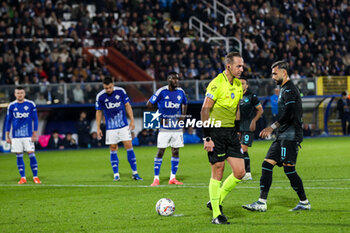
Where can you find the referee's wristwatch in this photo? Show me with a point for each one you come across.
(207, 139)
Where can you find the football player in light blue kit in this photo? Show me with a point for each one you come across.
(114, 103)
(172, 105)
(20, 115)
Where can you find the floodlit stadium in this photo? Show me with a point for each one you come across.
(89, 88)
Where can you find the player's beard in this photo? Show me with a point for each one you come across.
(278, 81)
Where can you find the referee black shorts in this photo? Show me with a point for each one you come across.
(283, 151)
(226, 144)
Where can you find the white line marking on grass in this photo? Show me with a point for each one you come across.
(147, 186)
(286, 180)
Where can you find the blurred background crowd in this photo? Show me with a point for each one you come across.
(42, 41)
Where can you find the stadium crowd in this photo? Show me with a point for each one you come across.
(42, 41)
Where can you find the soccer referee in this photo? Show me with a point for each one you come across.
(221, 104)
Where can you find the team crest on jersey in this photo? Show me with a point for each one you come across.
(26, 108)
(246, 99)
(178, 97)
(232, 95)
(117, 97)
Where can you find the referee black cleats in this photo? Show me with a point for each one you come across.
(220, 220)
(220, 206)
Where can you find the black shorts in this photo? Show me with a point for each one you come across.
(226, 145)
(283, 151)
(247, 138)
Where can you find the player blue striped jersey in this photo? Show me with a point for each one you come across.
(113, 107)
(21, 116)
(169, 103)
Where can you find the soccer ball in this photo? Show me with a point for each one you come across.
(165, 207)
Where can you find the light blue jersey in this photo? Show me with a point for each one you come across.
(21, 116)
(113, 107)
(169, 103)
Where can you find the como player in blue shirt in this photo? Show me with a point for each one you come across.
(114, 103)
(21, 114)
(172, 105)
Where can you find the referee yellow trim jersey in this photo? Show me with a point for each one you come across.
(226, 97)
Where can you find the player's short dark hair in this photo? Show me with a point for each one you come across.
(229, 57)
(343, 93)
(19, 88)
(107, 80)
(171, 74)
(281, 65)
(244, 78)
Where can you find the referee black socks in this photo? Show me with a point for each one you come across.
(295, 181)
(266, 179)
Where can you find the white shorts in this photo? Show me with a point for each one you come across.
(172, 138)
(114, 136)
(19, 145)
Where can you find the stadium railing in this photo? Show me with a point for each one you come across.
(85, 93)
(319, 106)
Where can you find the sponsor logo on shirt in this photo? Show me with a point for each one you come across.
(110, 105)
(21, 115)
(170, 104)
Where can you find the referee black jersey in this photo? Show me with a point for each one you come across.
(292, 129)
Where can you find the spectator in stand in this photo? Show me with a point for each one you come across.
(69, 142)
(55, 142)
(78, 95)
(40, 99)
(94, 140)
(144, 138)
(83, 130)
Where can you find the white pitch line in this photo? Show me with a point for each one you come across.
(286, 180)
(147, 186)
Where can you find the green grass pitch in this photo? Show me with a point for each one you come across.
(77, 193)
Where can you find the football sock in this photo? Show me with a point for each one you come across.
(246, 161)
(295, 181)
(114, 162)
(262, 200)
(157, 164)
(214, 194)
(266, 179)
(174, 166)
(304, 202)
(132, 160)
(229, 184)
(33, 164)
(20, 164)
